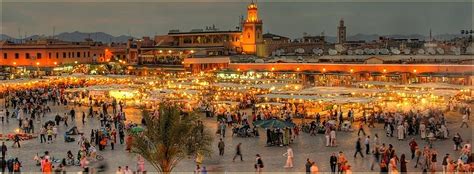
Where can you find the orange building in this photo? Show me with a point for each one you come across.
(50, 53)
(252, 36)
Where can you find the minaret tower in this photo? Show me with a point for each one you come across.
(252, 37)
(341, 32)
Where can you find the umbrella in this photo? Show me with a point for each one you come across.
(137, 129)
(273, 123)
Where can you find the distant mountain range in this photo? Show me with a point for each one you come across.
(75, 37)
(107, 38)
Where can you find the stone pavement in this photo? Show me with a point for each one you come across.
(305, 146)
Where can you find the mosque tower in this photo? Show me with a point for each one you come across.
(341, 32)
(252, 37)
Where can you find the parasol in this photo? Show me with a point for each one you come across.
(137, 129)
(273, 123)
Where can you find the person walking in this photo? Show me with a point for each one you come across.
(418, 154)
(361, 129)
(238, 152)
(341, 161)
(401, 132)
(221, 146)
(314, 168)
(16, 140)
(464, 121)
(333, 137)
(457, 141)
(403, 164)
(83, 118)
(367, 145)
(289, 160)
(4, 150)
(413, 145)
(333, 163)
(446, 160)
(308, 166)
(358, 149)
(42, 134)
(258, 164)
(376, 157)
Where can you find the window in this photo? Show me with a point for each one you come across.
(69, 55)
(95, 55)
(88, 54)
(27, 55)
(84, 54)
(57, 55)
(49, 55)
(5, 56)
(187, 40)
(72, 54)
(17, 56)
(78, 54)
(64, 55)
(38, 55)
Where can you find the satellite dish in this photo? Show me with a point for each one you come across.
(318, 51)
(431, 51)
(406, 51)
(259, 61)
(350, 52)
(371, 51)
(359, 52)
(332, 52)
(366, 51)
(384, 51)
(421, 51)
(440, 51)
(339, 48)
(395, 51)
(376, 51)
(470, 49)
(457, 51)
(299, 50)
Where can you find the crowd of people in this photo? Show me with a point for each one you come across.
(32, 107)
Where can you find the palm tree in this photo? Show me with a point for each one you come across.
(170, 138)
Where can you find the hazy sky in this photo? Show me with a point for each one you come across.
(147, 17)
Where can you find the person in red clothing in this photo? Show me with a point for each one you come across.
(47, 166)
(413, 146)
